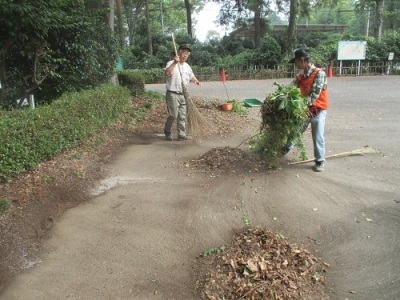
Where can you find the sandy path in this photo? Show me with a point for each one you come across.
(139, 239)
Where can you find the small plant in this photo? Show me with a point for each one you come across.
(48, 178)
(148, 105)
(5, 205)
(238, 108)
(80, 174)
(245, 220)
(213, 251)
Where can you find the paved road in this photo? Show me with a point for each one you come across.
(138, 240)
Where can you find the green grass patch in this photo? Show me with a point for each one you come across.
(5, 205)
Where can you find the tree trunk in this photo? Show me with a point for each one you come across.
(120, 27)
(379, 19)
(130, 21)
(111, 14)
(189, 18)
(148, 27)
(391, 20)
(257, 25)
(292, 27)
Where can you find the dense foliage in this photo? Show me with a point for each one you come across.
(283, 115)
(31, 136)
(50, 47)
(66, 45)
(132, 80)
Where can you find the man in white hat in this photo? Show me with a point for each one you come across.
(176, 70)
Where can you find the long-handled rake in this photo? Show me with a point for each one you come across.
(196, 125)
(361, 151)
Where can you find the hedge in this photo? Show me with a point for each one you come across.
(30, 136)
(133, 80)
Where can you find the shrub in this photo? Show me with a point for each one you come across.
(133, 80)
(31, 136)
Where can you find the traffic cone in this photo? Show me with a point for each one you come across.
(223, 75)
(330, 71)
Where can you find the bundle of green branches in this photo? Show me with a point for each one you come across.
(284, 113)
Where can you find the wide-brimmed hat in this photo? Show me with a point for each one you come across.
(184, 47)
(299, 53)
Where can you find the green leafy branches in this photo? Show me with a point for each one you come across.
(283, 115)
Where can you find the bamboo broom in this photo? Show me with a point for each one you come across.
(360, 151)
(196, 124)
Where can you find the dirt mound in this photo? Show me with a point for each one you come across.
(227, 159)
(260, 264)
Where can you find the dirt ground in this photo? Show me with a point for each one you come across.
(146, 211)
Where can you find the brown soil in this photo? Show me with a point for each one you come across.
(41, 196)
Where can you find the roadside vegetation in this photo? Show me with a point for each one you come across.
(30, 136)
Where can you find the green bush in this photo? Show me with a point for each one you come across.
(133, 80)
(31, 136)
(154, 75)
(53, 47)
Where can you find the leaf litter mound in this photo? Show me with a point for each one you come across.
(260, 264)
(227, 159)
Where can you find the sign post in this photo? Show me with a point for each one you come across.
(390, 58)
(352, 50)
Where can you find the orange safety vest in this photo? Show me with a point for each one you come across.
(305, 85)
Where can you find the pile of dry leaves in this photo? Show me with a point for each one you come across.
(260, 264)
(227, 159)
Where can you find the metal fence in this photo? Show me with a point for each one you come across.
(243, 72)
(365, 69)
(347, 68)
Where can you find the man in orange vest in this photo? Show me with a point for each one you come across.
(312, 82)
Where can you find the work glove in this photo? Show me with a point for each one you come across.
(313, 111)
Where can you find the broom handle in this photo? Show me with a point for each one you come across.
(179, 63)
(349, 153)
(173, 41)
